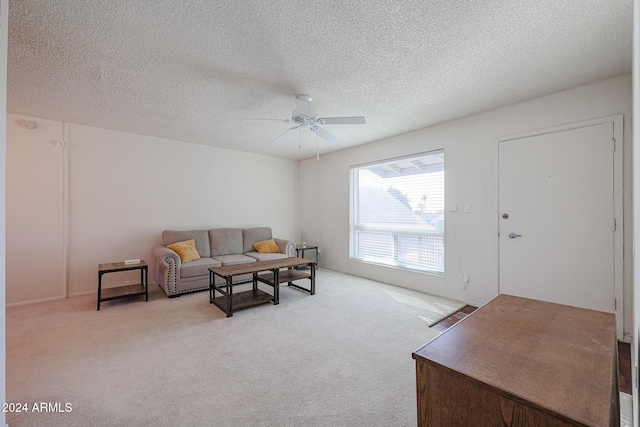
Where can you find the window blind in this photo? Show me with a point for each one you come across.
(397, 212)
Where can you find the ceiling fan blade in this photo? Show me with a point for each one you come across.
(322, 133)
(285, 134)
(357, 120)
(303, 103)
(274, 120)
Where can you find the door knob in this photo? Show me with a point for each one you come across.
(513, 235)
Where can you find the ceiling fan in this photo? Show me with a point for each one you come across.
(304, 116)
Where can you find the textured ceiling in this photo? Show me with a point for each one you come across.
(192, 70)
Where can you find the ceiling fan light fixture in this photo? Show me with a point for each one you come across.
(306, 117)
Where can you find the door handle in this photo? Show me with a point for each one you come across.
(513, 235)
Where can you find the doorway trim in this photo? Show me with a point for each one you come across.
(618, 211)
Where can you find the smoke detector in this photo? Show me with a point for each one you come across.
(27, 124)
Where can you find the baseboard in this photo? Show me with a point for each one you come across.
(77, 294)
(34, 301)
(454, 298)
(81, 294)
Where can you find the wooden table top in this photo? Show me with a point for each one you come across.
(121, 266)
(299, 247)
(254, 267)
(555, 356)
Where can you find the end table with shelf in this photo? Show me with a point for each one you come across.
(300, 249)
(125, 291)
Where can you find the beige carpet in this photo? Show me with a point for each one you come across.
(339, 358)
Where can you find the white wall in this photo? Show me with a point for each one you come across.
(470, 173)
(4, 39)
(635, 347)
(123, 191)
(35, 255)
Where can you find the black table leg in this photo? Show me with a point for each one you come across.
(99, 288)
(229, 296)
(313, 278)
(276, 286)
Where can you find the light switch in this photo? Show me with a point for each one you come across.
(453, 207)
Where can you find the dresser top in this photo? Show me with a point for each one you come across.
(557, 357)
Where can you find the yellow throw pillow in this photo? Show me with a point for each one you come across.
(267, 247)
(186, 250)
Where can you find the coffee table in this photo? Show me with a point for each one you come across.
(272, 276)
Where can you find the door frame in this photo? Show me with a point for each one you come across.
(618, 210)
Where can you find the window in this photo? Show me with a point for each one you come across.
(397, 212)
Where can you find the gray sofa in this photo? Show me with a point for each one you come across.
(216, 247)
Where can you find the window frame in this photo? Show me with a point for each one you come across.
(395, 230)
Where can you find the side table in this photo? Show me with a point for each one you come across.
(127, 290)
(300, 251)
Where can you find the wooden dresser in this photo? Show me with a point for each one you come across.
(521, 362)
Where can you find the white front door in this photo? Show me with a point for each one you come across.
(556, 224)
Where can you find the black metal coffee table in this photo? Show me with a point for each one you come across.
(272, 276)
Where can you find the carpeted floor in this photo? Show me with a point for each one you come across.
(339, 358)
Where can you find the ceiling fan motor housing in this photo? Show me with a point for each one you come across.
(302, 119)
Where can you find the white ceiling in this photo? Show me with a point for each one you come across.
(192, 70)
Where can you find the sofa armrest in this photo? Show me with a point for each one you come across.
(168, 265)
(287, 247)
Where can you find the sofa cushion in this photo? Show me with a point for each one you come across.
(267, 247)
(265, 257)
(235, 259)
(198, 267)
(253, 235)
(225, 241)
(201, 238)
(186, 250)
